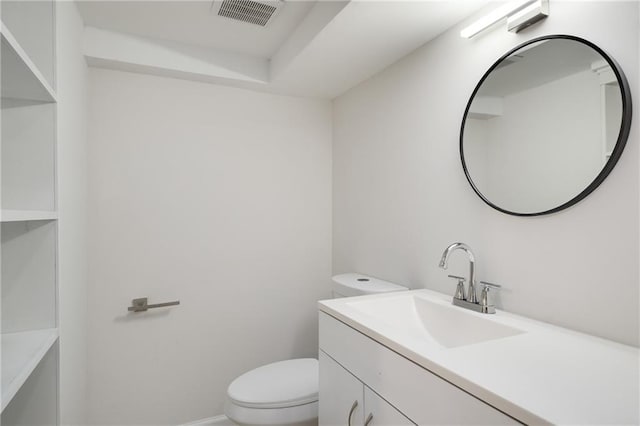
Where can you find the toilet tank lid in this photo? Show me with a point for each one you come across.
(354, 284)
(281, 384)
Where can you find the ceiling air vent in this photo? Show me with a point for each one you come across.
(253, 12)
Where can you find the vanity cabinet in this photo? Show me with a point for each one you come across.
(346, 400)
(354, 367)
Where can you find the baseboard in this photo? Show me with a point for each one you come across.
(211, 421)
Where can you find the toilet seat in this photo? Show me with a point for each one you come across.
(282, 393)
(279, 385)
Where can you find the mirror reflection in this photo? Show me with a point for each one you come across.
(542, 126)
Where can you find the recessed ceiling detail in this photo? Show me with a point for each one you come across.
(314, 48)
(253, 12)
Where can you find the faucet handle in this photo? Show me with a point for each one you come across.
(460, 288)
(489, 285)
(484, 295)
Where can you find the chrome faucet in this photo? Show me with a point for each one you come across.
(471, 293)
(471, 300)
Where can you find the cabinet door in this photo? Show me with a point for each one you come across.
(379, 412)
(341, 395)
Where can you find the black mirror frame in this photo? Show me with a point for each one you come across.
(625, 125)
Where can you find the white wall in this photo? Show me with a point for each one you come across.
(216, 196)
(400, 195)
(72, 76)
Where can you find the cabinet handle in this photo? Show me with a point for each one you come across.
(369, 418)
(353, 408)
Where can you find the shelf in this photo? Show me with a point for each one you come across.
(27, 215)
(28, 156)
(28, 265)
(21, 79)
(21, 354)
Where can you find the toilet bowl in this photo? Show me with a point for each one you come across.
(285, 393)
(282, 393)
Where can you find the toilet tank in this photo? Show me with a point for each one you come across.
(353, 284)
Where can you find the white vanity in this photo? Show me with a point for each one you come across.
(413, 358)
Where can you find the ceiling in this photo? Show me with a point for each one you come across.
(311, 48)
(193, 22)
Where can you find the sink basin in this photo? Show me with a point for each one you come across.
(449, 326)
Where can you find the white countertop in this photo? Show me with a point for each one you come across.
(547, 374)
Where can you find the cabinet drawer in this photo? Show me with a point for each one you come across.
(419, 394)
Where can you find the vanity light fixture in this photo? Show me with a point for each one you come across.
(519, 15)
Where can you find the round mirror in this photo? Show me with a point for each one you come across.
(545, 125)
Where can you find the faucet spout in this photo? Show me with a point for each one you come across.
(472, 270)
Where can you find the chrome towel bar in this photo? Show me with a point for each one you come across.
(142, 305)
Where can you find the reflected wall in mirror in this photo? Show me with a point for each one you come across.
(545, 125)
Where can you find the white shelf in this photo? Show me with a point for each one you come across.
(21, 354)
(26, 215)
(21, 79)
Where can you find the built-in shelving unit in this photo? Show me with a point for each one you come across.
(22, 354)
(611, 107)
(25, 81)
(28, 214)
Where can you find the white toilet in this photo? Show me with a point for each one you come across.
(285, 393)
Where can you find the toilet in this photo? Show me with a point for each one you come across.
(285, 393)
